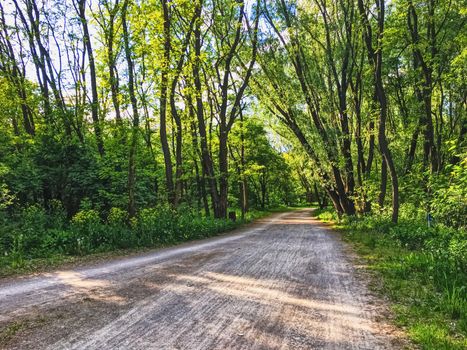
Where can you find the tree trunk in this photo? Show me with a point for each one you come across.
(318, 197)
(381, 94)
(206, 159)
(202, 179)
(163, 105)
(376, 57)
(134, 105)
(92, 74)
(114, 86)
(383, 185)
(411, 151)
(424, 94)
(243, 182)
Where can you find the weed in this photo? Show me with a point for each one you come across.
(422, 270)
(9, 331)
(23, 244)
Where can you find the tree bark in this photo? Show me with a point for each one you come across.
(376, 57)
(134, 105)
(424, 93)
(383, 184)
(206, 160)
(92, 73)
(163, 105)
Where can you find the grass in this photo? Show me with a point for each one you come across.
(24, 263)
(424, 279)
(9, 332)
(14, 329)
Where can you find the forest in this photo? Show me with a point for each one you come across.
(141, 123)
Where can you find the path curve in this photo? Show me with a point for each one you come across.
(286, 282)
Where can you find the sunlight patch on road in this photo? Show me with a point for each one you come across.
(93, 289)
(77, 280)
(266, 293)
(243, 288)
(293, 312)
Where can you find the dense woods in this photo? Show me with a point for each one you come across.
(130, 123)
(133, 104)
(130, 105)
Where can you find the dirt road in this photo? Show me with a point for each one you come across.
(286, 282)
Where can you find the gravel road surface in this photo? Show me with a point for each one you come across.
(285, 282)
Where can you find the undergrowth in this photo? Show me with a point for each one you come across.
(37, 239)
(423, 271)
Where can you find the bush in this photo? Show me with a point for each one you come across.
(36, 233)
(450, 195)
(120, 234)
(423, 268)
(56, 214)
(156, 226)
(411, 235)
(31, 232)
(60, 241)
(87, 230)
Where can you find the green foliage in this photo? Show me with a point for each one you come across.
(450, 194)
(326, 215)
(32, 229)
(88, 231)
(38, 234)
(267, 171)
(423, 270)
(156, 225)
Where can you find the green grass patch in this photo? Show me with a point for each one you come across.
(9, 331)
(422, 270)
(39, 241)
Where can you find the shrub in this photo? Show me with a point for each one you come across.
(156, 225)
(450, 195)
(56, 214)
(117, 217)
(60, 241)
(118, 231)
(40, 234)
(87, 230)
(424, 268)
(32, 231)
(411, 235)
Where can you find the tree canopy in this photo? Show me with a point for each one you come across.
(223, 104)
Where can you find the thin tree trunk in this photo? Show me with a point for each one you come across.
(134, 105)
(376, 57)
(424, 94)
(243, 182)
(318, 197)
(163, 105)
(111, 59)
(92, 74)
(411, 151)
(383, 184)
(205, 154)
(202, 179)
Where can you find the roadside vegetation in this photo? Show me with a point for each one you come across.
(41, 239)
(421, 269)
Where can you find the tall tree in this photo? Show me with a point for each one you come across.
(376, 59)
(134, 107)
(81, 8)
